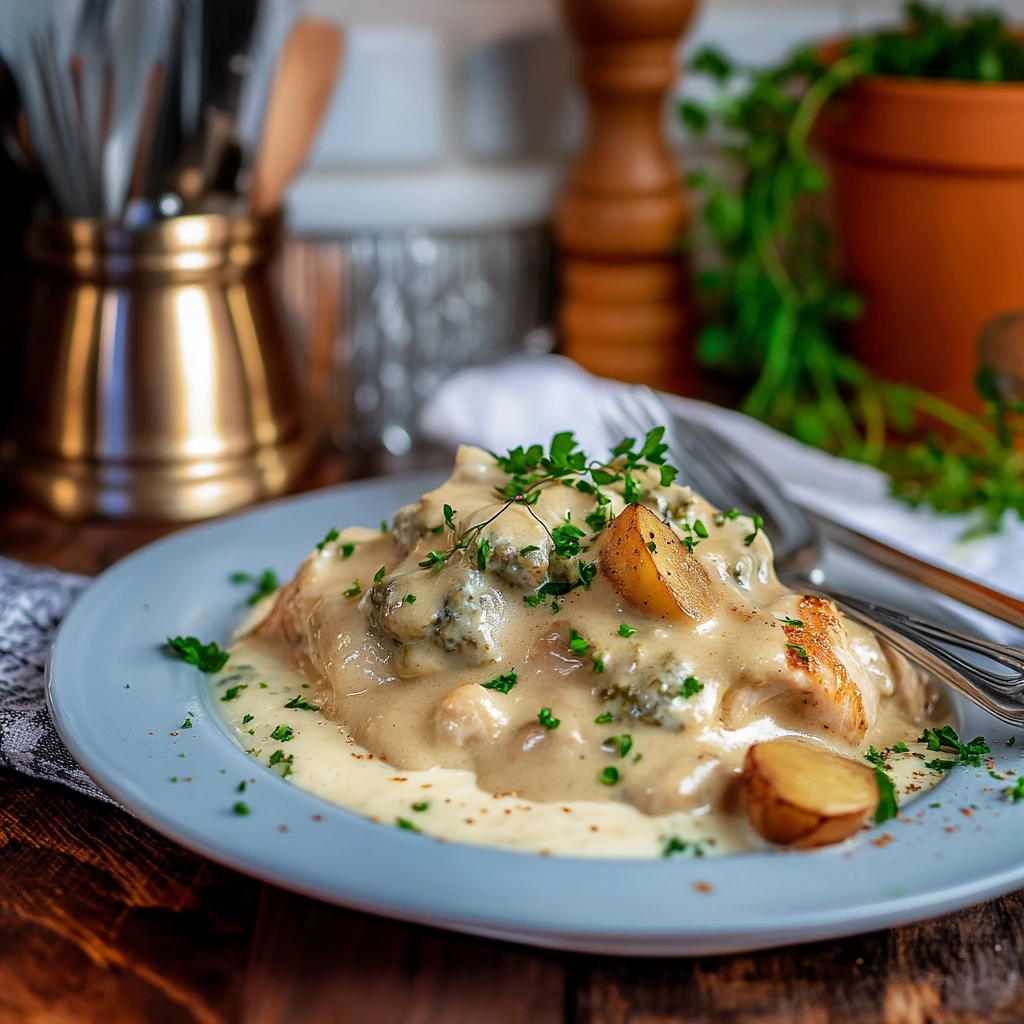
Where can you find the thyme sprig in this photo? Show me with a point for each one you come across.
(532, 469)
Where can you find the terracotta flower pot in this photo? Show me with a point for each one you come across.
(928, 180)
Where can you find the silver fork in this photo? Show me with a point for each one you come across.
(727, 477)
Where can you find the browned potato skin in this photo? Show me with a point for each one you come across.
(669, 582)
(780, 777)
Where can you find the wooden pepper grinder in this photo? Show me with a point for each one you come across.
(624, 312)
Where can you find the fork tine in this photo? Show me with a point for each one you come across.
(635, 414)
(704, 474)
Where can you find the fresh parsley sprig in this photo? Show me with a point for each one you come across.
(503, 683)
(946, 739)
(206, 657)
(266, 583)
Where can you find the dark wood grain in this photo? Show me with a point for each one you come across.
(320, 964)
(964, 967)
(103, 921)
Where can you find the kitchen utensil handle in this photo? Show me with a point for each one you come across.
(960, 588)
(993, 672)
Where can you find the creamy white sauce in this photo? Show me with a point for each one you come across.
(398, 641)
(328, 763)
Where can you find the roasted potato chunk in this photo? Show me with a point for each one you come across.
(803, 795)
(663, 579)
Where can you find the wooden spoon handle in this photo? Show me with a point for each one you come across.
(302, 89)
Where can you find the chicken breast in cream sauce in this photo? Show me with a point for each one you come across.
(566, 647)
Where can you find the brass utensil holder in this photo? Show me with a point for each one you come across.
(157, 381)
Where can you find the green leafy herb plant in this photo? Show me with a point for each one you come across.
(775, 311)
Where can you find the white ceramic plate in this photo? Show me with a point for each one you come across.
(119, 702)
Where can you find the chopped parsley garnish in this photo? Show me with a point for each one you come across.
(278, 758)
(691, 687)
(266, 584)
(566, 539)
(652, 547)
(599, 663)
(434, 559)
(888, 807)
(405, 823)
(410, 598)
(449, 517)
(1010, 742)
(758, 523)
(330, 538)
(379, 574)
(795, 623)
(241, 786)
(187, 724)
(722, 517)
(609, 775)
(301, 703)
(483, 551)
(354, 591)
(587, 572)
(693, 534)
(347, 550)
(623, 743)
(503, 683)
(626, 631)
(421, 806)
(577, 644)
(800, 651)
(547, 720)
(383, 526)
(598, 519)
(246, 719)
(900, 748)
(233, 691)
(206, 657)
(263, 686)
(874, 756)
(673, 845)
(530, 469)
(528, 549)
(282, 733)
(241, 808)
(1015, 793)
(605, 716)
(945, 738)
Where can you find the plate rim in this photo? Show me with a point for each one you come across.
(753, 933)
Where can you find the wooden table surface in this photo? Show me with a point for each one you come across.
(103, 920)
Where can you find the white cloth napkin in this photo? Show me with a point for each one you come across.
(529, 398)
